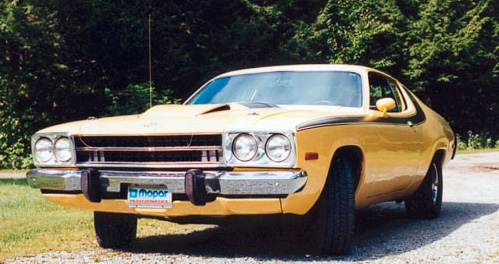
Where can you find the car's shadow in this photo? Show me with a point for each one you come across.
(382, 230)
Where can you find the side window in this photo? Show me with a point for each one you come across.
(399, 99)
(382, 87)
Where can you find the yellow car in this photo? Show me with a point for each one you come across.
(313, 141)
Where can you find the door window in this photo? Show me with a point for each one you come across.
(382, 87)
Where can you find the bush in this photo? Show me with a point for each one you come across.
(136, 99)
(482, 140)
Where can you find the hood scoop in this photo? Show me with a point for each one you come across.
(239, 106)
(216, 109)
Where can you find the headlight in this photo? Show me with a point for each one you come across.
(63, 150)
(44, 150)
(244, 147)
(53, 149)
(278, 148)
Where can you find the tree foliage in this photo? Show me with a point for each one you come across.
(67, 60)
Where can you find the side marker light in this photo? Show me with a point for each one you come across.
(311, 156)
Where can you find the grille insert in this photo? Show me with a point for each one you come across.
(148, 141)
(149, 151)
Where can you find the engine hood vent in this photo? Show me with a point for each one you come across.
(239, 106)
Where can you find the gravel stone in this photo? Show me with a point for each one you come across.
(466, 232)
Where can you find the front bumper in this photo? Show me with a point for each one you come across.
(239, 183)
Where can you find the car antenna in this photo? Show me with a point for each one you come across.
(150, 65)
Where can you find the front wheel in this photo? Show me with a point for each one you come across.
(333, 218)
(115, 231)
(426, 202)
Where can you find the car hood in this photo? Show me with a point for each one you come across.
(213, 118)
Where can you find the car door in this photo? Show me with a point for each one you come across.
(393, 158)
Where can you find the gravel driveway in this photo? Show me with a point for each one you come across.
(466, 232)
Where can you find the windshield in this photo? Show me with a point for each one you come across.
(285, 88)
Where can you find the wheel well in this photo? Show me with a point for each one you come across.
(355, 159)
(439, 156)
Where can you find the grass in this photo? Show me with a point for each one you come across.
(31, 224)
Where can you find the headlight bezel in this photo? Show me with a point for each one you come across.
(54, 160)
(261, 158)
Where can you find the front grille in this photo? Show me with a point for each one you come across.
(148, 141)
(149, 151)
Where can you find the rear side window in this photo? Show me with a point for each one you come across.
(382, 87)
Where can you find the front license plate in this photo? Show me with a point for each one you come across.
(149, 197)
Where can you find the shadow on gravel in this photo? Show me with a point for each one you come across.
(382, 230)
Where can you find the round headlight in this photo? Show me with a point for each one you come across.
(44, 150)
(62, 149)
(244, 147)
(278, 148)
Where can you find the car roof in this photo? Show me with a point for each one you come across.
(300, 67)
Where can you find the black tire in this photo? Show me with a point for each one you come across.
(426, 202)
(333, 217)
(115, 231)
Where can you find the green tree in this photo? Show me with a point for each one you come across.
(451, 50)
(29, 45)
(354, 32)
(67, 60)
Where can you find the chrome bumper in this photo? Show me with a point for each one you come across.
(216, 182)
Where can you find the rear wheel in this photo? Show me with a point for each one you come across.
(333, 217)
(116, 231)
(426, 202)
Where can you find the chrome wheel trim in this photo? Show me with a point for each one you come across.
(434, 183)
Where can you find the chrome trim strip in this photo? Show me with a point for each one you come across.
(151, 165)
(216, 182)
(149, 135)
(149, 149)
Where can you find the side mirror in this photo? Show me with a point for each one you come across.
(384, 105)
